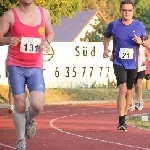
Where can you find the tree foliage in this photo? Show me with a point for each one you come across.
(109, 8)
(57, 8)
(142, 12)
(63, 8)
(66, 8)
(89, 4)
(5, 5)
(97, 34)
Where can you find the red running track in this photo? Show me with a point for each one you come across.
(77, 127)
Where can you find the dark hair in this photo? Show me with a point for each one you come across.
(126, 2)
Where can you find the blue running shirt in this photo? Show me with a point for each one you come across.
(125, 50)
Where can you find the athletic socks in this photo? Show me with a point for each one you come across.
(122, 119)
(19, 122)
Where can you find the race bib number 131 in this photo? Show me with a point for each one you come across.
(126, 53)
(30, 45)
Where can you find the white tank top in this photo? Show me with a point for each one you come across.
(141, 59)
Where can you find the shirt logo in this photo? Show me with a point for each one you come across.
(41, 30)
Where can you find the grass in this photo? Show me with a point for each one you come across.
(75, 94)
(137, 121)
(68, 94)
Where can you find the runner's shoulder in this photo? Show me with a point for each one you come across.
(138, 23)
(45, 10)
(46, 13)
(9, 13)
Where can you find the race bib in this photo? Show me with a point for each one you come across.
(126, 53)
(30, 45)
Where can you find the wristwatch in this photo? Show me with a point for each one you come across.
(143, 42)
(49, 42)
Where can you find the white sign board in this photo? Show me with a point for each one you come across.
(144, 118)
(72, 65)
(78, 64)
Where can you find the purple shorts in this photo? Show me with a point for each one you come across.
(21, 76)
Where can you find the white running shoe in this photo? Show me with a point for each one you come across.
(139, 106)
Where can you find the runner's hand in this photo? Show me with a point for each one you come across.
(137, 39)
(111, 58)
(144, 63)
(14, 41)
(45, 46)
(105, 54)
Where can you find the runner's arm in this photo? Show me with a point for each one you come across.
(106, 43)
(106, 49)
(49, 34)
(107, 35)
(147, 55)
(5, 24)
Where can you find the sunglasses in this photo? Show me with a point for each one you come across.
(127, 10)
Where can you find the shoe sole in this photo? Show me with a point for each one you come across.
(122, 129)
(138, 108)
(131, 109)
(29, 134)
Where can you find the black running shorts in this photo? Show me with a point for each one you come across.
(140, 75)
(125, 76)
(147, 76)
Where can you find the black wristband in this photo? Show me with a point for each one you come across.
(143, 42)
(48, 41)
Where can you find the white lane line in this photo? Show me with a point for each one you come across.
(90, 138)
(1, 144)
(4, 117)
(65, 110)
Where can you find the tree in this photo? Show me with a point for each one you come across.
(109, 8)
(89, 4)
(57, 8)
(63, 8)
(97, 34)
(142, 12)
(5, 5)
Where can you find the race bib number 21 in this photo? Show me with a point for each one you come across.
(126, 53)
(30, 45)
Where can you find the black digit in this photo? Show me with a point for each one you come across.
(74, 72)
(67, 72)
(124, 54)
(36, 48)
(91, 71)
(31, 45)
(56, 72)
(25, 47)
(107, 71)
(84, 68)
(101, 68)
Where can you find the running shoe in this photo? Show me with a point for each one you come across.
(122, 127)
(139, 106)
(30, 128)
(21, 145)
(132, 106)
